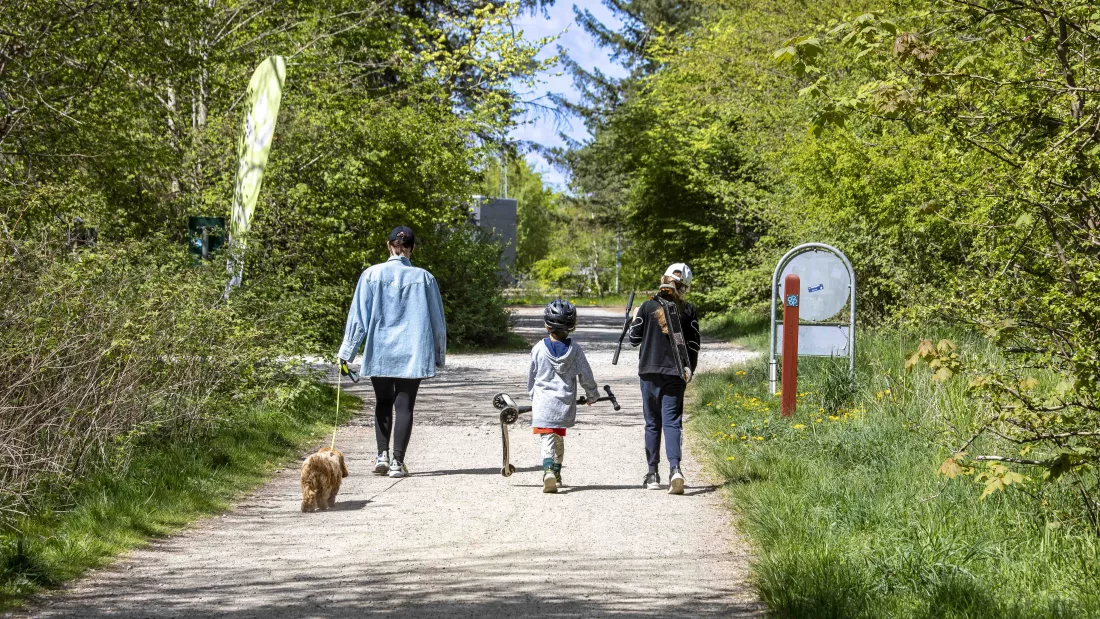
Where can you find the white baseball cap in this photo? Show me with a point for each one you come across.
(684, 271)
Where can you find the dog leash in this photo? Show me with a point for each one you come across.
(341, 369)
(336, 422)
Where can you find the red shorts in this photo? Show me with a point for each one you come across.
(558, 431)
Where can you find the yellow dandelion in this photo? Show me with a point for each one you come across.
(798, 426)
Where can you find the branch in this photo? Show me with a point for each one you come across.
(1012, 460)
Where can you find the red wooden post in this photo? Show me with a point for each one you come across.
(789, 386)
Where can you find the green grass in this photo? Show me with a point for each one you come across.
(848, 515)
(609, 300)
(166, 487)
(513, 342)
(749, 329)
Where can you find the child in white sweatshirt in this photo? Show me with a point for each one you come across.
(556, 362)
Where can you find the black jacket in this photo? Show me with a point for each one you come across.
(656, 356)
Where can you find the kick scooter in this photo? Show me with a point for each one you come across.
(510, 412)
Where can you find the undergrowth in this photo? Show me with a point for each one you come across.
(848, 514)
(166, 486)
(749, 329)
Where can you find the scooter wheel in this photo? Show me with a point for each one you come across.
(508, 470)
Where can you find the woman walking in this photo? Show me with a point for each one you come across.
(663, 380)
(397, 310)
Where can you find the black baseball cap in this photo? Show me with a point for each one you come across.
(403, 234)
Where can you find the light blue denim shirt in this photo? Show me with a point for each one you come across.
(398, 310)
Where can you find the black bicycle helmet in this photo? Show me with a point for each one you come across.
(560, 315)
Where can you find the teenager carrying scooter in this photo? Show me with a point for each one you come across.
(667, 329)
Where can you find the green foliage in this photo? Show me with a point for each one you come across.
(469, 258)
(388, 114)
(1000, 93)
(745, 327)
(168, 484)
(951, 155)
(554, 273)
(849, 516)
(101, 351)
(124, 117)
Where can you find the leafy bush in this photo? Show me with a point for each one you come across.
(103, 350)
(466, 262)
(995, 91)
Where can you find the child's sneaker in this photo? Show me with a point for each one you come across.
(676, 481)
(382, 465)
(549, 482)
(652, 481)
(557, 477)
(397, 469)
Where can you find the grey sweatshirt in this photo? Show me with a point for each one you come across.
(552, 385)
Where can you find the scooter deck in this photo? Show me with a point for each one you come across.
(509, 413)
(676, 337)
(508, 416)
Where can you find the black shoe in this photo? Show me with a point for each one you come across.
(676, 481)
(652, 481)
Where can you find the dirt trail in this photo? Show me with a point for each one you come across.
(456, 539)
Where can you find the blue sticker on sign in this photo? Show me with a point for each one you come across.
(817, 288)
(792, 300)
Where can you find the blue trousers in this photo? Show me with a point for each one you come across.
(663, 407)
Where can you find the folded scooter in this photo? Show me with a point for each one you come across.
(510, 412)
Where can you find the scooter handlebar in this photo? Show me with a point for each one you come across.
(610, 397)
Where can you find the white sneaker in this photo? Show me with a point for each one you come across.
(397, 469)
(676, 481)
(382, 466)
(549, 482)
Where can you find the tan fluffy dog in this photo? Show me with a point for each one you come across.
(321, 476)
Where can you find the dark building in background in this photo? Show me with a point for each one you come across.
(499, 216)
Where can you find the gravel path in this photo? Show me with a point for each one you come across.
(456, 539)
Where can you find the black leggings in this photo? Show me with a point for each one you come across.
(390, 394)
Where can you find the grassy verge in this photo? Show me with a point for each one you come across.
(847, 512)
(166, 487)
(512, 343)
(609, 300)
(749, 329)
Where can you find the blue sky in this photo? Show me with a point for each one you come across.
(582, 48)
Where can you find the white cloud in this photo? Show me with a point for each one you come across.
(543, 128)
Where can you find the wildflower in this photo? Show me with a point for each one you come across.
(744, 438)
(818, 420)
(729, 458)
(799, 426)
(758, 438)
(833, 418)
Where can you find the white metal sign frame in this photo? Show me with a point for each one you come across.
(776, 292)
